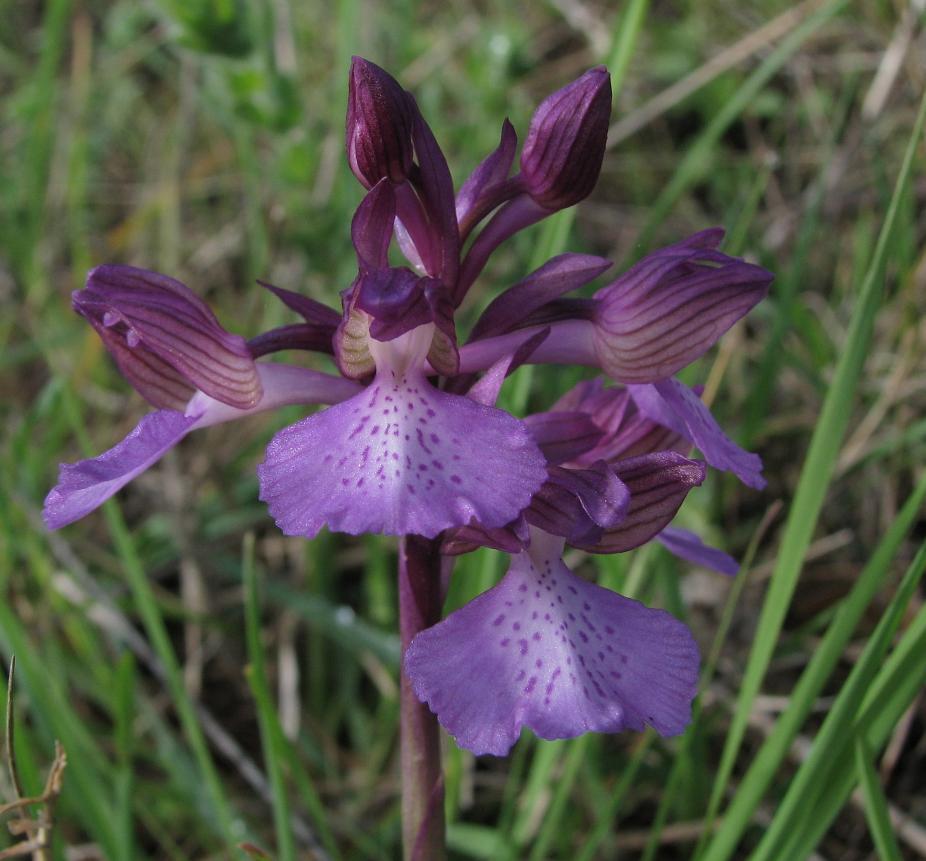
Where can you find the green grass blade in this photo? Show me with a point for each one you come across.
(813, 779)
(900, 681)
(825, 659)
(879, 819)
(699, 156)
(232, 829)
(814, 480)
(273, 744)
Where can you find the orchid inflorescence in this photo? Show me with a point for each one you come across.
(412, 442)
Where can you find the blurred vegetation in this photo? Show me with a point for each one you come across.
(205, 139)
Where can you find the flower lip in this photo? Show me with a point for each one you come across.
(565, 144)
(548, 650)
(166, 341)
(379, 125)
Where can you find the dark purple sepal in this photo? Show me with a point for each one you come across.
(379, 125)
(298, 336)
(688, 546)
(486, 389)
(434, 184)
(371, 227)
(166, 341)
(560, 275)
(512, 538)
(515, 215)
(313, 311)
(658, 485)
(564, 436)
(565, 144)
(486, 187)
(579, 504)
(671, 307)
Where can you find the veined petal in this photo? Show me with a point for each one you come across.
(673, 405)
(564, 436)
(547, 650)
(671, 307)
(688, 546)
(165, 339)
(400, 458)
(624, 431)
(87, 484)
(658, 485)
(579, 504)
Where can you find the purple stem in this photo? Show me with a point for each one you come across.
(420, 602)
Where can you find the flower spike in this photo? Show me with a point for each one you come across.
(565, 145)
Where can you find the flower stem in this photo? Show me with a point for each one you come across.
(422, 780)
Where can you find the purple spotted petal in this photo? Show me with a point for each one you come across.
(579, 504)
(165, 339)
(673, 405)
(87, 484)
(688, 546)
(557, 276)
(402, 457)
(671, 307)
(658, 485)
(547, 650)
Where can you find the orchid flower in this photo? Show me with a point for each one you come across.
(411, 443)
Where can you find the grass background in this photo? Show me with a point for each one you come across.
(213, 682)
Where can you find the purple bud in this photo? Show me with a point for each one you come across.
(379, 125)
(565, 145)
(166, 341)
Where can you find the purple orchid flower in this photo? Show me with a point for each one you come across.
(411, 442)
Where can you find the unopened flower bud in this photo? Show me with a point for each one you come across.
(379, 125)
(565, 145)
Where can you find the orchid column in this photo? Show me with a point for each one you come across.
(412, 444)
